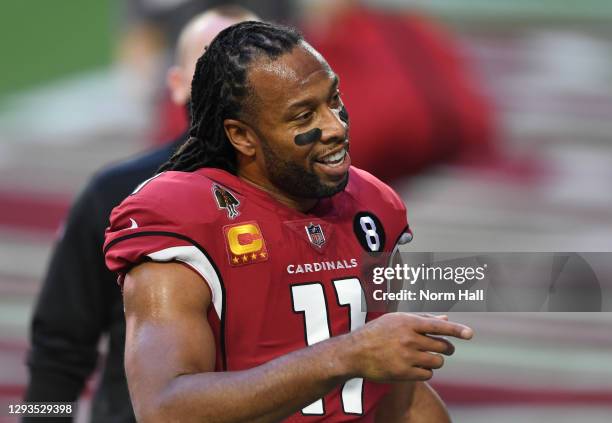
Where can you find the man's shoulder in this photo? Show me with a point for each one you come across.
(367, 189)
(171, 196)
(377, 209)
(174, 185)
(122, 177)
(171, 213)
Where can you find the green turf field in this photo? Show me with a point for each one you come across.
(42, 40)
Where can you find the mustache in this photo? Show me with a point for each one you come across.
(316, 155)
(346, 144)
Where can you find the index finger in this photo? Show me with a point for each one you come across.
(432, 326)
(435, 316)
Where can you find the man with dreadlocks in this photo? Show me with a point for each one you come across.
(253, 312)
(79, 301)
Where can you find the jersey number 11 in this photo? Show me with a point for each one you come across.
(309, 299)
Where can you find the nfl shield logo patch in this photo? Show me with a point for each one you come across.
(315, 235)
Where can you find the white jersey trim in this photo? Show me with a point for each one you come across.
(199, 262)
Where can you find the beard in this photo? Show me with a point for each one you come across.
(296, 180)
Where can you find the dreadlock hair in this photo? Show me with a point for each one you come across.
(219, 91)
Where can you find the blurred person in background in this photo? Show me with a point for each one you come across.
(147, 46)
(431, 110)
(80, 300)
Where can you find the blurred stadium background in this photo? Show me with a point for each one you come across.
(77, 93)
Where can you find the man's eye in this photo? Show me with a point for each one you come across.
(304, 117)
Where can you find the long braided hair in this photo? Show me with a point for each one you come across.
(220, 89)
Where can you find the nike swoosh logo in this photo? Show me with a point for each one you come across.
(134, 224)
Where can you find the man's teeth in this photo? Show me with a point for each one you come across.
(335, 158)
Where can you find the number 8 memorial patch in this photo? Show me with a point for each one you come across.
(369, 231)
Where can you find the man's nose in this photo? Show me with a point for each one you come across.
(333, 129)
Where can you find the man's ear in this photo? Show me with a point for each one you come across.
(180, 89)
(241, 136)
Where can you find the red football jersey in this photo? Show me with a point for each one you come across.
(280, 279)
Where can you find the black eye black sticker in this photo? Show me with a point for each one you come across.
(369, 232)
(344, 117)
(308, 137)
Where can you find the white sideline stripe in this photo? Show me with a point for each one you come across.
(198, 261)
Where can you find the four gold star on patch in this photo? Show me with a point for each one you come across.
(245, 243)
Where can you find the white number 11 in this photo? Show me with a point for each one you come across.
(310, 300)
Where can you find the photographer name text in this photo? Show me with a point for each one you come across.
(428, 295)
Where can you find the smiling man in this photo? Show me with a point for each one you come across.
(219, 329)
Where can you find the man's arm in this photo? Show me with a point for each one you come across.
(170, 354)
(412, 402)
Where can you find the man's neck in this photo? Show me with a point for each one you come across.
(300, 204)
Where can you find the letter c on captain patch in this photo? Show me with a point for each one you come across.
(244, 239)
(245, 243)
